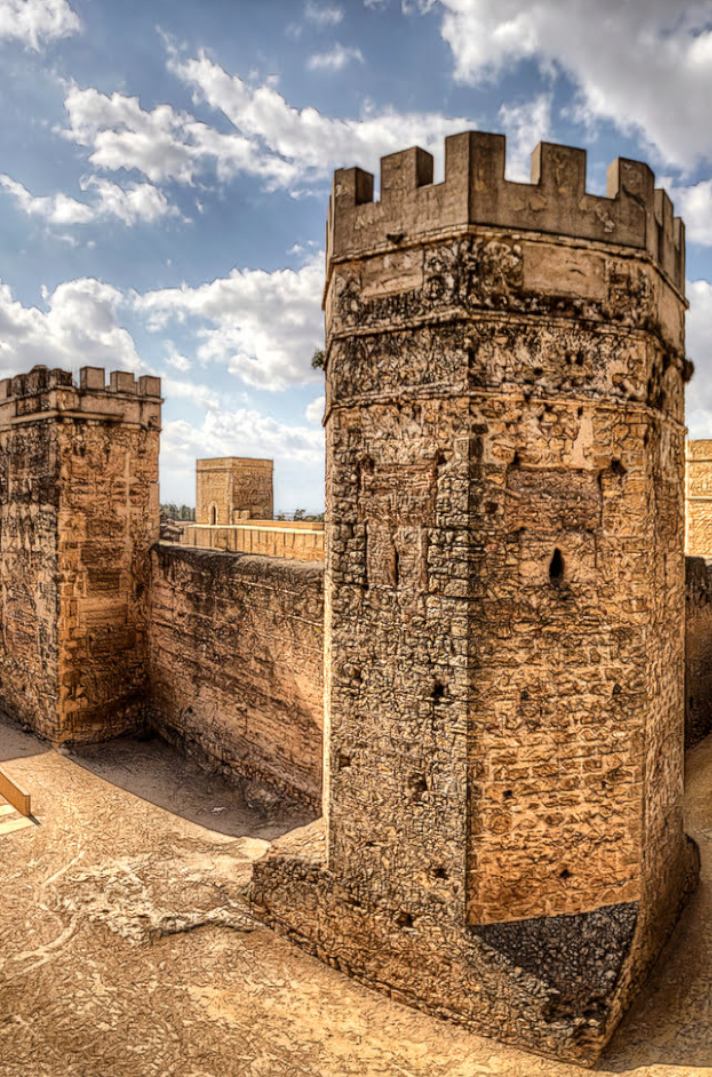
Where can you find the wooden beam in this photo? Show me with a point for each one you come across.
(14, 794)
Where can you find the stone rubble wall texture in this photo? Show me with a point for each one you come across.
(288, 540)
(78, 515)
(236, 664)
(237, 487)
(698, 498)
(503, 839)
(698, 650)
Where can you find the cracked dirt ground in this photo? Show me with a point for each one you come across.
(125, 953)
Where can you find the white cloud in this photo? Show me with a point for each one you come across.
(79, 328)
(285, 146)
(263, 326)
(698, 397)
(525, 125)
(56, 208)
(699, 338)
(323, 15)
(315, 410)
(242, 432)
(694, 205)
(35, 22)
(138, 202)
(335, 59)
(202, 395)
(133, 204)
(644, 65)
(309, 144)
(161, 143)
(175, 359)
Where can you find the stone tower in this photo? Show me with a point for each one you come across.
(233, 488)
(78, 515)
(503, 839)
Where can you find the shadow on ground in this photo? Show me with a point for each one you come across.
(153, 770)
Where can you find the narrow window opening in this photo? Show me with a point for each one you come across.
(439, 873)
(396, 568)
(556, 567)
(418, 788)
(214, 515)
(438, 692)
(565, 874)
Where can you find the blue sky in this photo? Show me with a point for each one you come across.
(166, 167)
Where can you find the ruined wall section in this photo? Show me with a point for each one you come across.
(236, 664)
(233, 488)
(504, 592)
(79, 512)
(698, 498)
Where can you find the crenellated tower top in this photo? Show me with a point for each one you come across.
(633, 213)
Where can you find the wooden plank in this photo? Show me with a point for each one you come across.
(6, 809)
(14, 794)
(10, 825)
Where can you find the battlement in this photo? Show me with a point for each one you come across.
(633, 213)
(44, 392)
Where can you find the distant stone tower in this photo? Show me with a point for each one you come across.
(505, 594)
(233, 488)
(78, 515)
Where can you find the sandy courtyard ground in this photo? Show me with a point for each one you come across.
(123, 952)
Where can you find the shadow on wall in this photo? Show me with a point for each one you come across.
(698, 649)
(15, 743)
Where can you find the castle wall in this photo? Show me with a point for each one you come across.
(233, 488)
(236, 663)
(504, 594)
(698, 498)
(78, 515)
(288, 539)
(698, 650)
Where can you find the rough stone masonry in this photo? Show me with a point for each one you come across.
(502, 840)
(78, 516)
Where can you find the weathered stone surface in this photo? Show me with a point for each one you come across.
(291, 540)
(504, 593)
(236, 663)
(698, 650)
(698, 498)
(231, 488)
(78, 515)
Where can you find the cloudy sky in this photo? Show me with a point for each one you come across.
(166, 164)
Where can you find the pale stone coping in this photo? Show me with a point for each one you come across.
(290, 527)
(475, 190)
(221, 463)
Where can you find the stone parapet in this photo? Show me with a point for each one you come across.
(270, 538)
(475, 192)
